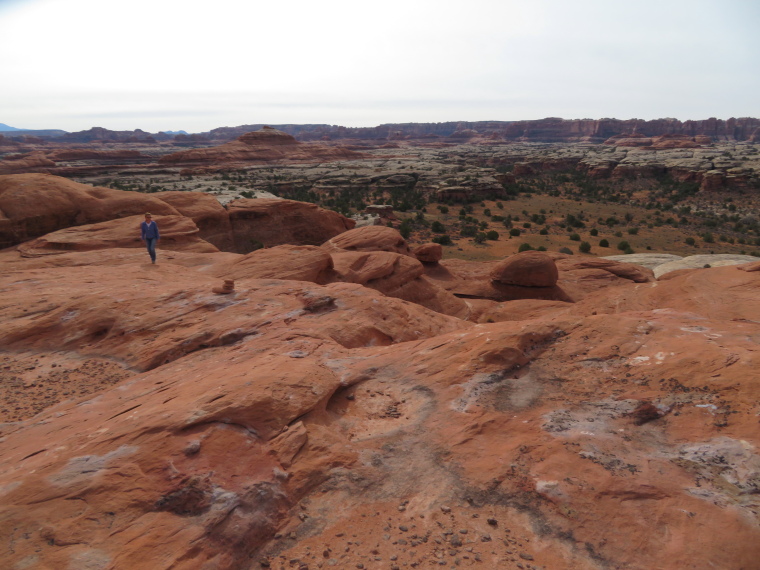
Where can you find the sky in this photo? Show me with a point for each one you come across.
(193, 65)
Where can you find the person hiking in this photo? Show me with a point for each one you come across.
(149, 234)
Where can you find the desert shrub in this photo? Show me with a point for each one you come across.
(689, 241)
(585, 247)
(708, 237)
(594, 232)
(443, 209)
(623, 245)
(618, 234)
(480, 238)
(541, 248)
(575, 237)
(544, 232)
(468, 231)
(437, 227)
(524, 247)
(566, 250)
(443, 240)
(633, 231)
(604, 243)
(514, 232)
(526, 225)
(492, 235)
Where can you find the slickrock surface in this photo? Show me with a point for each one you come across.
(178, 233)
(293, 424)
(32, 205)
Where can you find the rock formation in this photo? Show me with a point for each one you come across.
(309, 419)
(178, 233)
(268, 222)
(32, 205)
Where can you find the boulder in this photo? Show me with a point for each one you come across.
(398, 276)
(429, 252)
(369, 238)
(526, 269)
(270, 221)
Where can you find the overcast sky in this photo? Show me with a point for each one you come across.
(185, 64)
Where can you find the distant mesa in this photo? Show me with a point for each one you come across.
(265, 146)
(4, 127)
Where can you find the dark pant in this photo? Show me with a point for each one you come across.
(151, 244)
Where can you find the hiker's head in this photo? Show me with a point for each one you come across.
(148, 217)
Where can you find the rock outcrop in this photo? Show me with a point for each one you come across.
(32, 205)
(269, 222)
(369, 238)
(178, 233)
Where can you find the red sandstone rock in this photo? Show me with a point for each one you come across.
(398, 276)
(283, 421)
(297, 262)
(369, 238)
(429, 252)
(269, 221)
(207, 213)
(32, 205)
(526, 269)
(178, 233)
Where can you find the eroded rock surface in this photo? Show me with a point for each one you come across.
(322, 414)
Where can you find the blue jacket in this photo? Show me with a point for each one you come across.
(149, 231)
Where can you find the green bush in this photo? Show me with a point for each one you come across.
(708, 237)
(594, 232)
(585, 247)
(544, 232)
(480, 238)
(604, 243)
(690, 241)
(633, 231)
(443, 240)
(514, 232)
(493, 235)
(566, 250)
(524, 247)
(623, 245)
(575, 237)
(437, 227)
